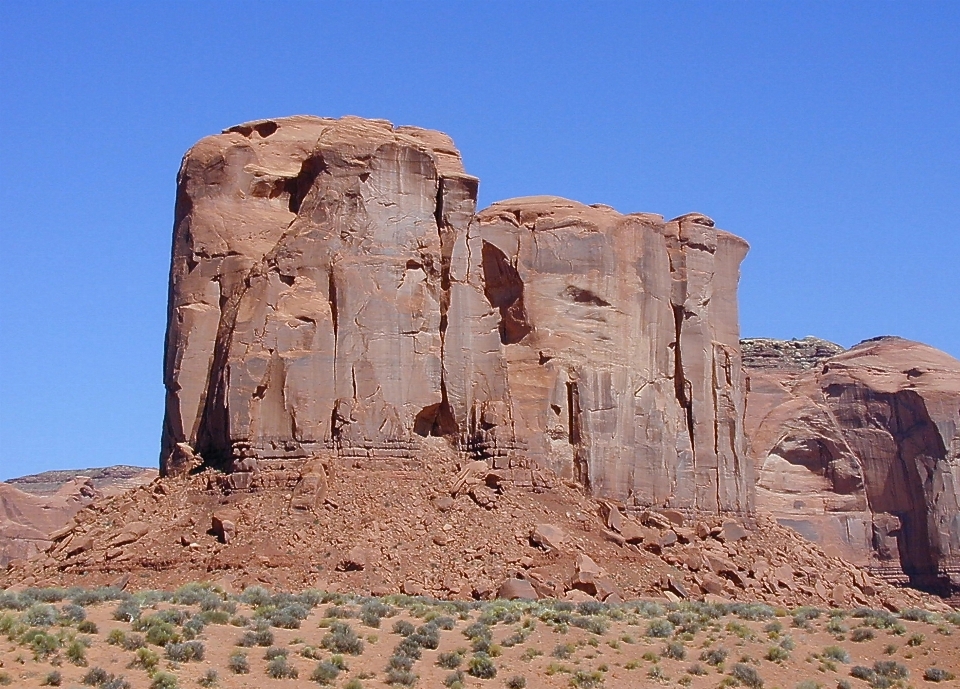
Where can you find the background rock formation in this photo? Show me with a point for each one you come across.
(34, 507)
(332, 290)
(860, 451)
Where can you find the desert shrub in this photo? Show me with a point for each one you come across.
(660, 629)
(95, 677)
(325, 673)
(777, 654)
(741, 630)
(399, 661)
(342, 639)
(426, 636)
(164, 680)
(563, 651)
(39, 615)
(5, 679)
(131, 642)
(214, 617)
(714, 656)
(698, 670)
(288, 616)
(517, 682)
(353, 683)
(77, 653)
(147, 659)
(891, 669)
(193, 627)
(408, 649)
(752, 611)
(87, 627)
(52, 679)
(746, 675)
(915, 640)
(583, 679)
(878, 619)
(594, 625)
(403, 628)
(116, 637)
(836, 626)
(257, 637)
(450, 659)
(675, 650)
(100, 594)
(591, 607)
(916, 615)
(936, 674)
(836, 653)
(445, 622)
(255, 596)
(275, 652)
(280, 668)
(71, 613)
(809, 684)
(403, 678)
(803, 615)
(41, 643)
(185, 652)
(862, 672)
(862, 634)
(481, 666)
(117, 683)
(127, 611)
(210, 678)
(238, 663)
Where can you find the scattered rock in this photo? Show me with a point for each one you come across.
(548, 536)
(514, 589)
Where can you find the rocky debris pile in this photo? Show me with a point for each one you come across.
(787, 355)
(333, 289)
(28, 520)
(861, 454)
(412, 529)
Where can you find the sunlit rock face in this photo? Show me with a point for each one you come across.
(333, 290)
(860, 450)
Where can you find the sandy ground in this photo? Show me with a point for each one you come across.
(546, 645)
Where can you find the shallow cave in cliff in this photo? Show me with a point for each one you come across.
(435, 420)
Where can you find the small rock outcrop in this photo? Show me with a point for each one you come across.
(333, 290)
(860, 450)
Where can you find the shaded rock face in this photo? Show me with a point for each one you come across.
(862, 453)
(333, 289)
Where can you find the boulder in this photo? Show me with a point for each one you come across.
(224, 525)
(517, 589)
(548, 536)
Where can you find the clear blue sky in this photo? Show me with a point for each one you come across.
(826, 134)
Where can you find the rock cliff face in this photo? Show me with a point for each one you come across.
(860, 450)
(333, 291)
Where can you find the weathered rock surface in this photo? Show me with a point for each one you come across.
(860, 451)
(27, 520)
(332, 289)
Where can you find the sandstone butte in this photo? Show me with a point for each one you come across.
(333, 291)
(859, 450)
(373, 386)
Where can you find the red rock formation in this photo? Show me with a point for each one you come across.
(861, 452)
(332, 290)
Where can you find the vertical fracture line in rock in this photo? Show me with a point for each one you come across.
(680, 380)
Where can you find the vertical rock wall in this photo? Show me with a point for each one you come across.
(331, 288)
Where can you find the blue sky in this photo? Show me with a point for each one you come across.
(826, 134)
